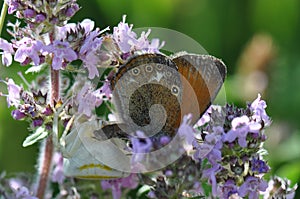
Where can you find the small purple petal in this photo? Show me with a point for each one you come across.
(37, 122)
(151, 194)
(7, 52)
(28, 48)
(90, 61)
(58, 174)
(72, 10)
(211, 175)
(165, 140)
(17, 115)
(252, 186)
(86, 100)
(29, 13)
(259, 166)
(39, 18)
(127, 39)
(23, 192)
(48, 111)
(229, 188)
(61, 51)
(115, 185)
(258, 107)
(13, 5)
(186, 131)
(211, 147)
(205, 118)
(141, 144)
(13, 98)
(241, 126)
(57, 62)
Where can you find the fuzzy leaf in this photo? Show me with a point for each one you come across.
(36, 69)
(39, 134)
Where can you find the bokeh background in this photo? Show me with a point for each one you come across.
(257, 39)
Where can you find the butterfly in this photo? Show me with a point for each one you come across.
(151, 93)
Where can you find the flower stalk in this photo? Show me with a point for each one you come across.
(45, 167)
(48, 149)
(2, 17)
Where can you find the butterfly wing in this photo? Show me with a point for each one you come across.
(147, 94)
(202, 77)
(89, 155)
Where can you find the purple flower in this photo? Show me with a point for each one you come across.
(72, 10)
(154, 46)
(211, 148)
(13, 98)
(205, 118)
(103, 93)
(115, 185)
(241, 126)
(140, 146)
(228, 189)
(23, 193)
(127, 39)
(124, 36)
(29, 13)
(164, 140)
(86, 100)
(86, 24)
(211, 175)
(88, 52)
(20, 191)
(144, 44)
(61, 51)
(39, 18)
(17, 115)
(37, 122)
(47, 111)
(7, 52)
(141, 143)
(197, 187)
(28, 48)
(58, 174)
(251, 187)
(91, 43)
(13, 5)
(105, 89)
(186, 132)
(259, 166)
(258, 107)
(151, 194)
(90, 61)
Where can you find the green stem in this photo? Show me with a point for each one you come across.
(2, 17)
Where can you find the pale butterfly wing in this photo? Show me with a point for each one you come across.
(86, 156)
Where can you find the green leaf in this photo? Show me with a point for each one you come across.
(36, 69)
(39, 134)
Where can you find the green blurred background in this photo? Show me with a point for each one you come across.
(257, 39)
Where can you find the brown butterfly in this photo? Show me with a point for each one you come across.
(152, 92)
